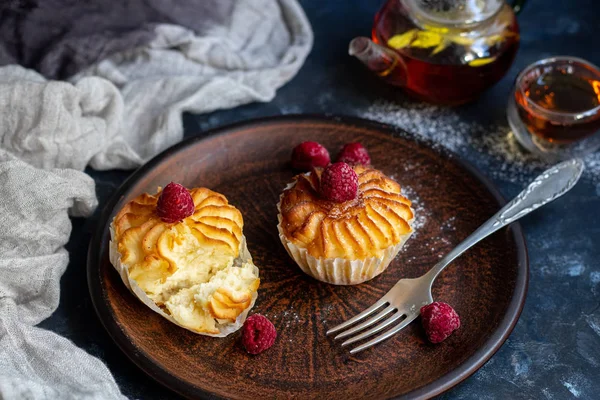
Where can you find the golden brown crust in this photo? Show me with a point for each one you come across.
(144, 241)
(355, 229)
(224, 305)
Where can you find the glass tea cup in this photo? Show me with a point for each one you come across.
(554, 109)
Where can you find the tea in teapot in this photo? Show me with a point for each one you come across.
(441, 51)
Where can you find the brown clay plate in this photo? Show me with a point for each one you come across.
(249, 163)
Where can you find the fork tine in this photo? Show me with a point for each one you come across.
(357, 317)
(366, 323)
(386, 335)
(374, 330)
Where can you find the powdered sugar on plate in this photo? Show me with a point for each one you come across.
(504, 158)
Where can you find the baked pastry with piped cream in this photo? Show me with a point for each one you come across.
(344, 224)
(183, 253)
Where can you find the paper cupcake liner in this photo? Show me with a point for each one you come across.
(338, 271)
(224, 328)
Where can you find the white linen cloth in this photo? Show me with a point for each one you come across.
(117, 113)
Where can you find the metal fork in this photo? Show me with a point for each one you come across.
(403, 302)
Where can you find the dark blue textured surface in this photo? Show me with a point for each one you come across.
(554, 351)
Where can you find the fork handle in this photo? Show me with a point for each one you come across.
(550, 185)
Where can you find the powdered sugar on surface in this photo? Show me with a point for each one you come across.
(291, 318)
(505, 158)
(286, 318)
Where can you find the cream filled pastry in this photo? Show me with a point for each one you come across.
(182, 252)
(344, 224)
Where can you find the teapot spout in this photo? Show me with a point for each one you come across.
(384, 62)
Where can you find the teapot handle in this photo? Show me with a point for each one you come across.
(517, 5)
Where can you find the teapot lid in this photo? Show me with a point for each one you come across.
(454, 12)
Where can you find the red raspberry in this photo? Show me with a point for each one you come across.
(175, 203)
(258, 334)
(439, 320)
(308, 155)
(339, 183)
(354, 153)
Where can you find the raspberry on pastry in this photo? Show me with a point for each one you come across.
(174, 203)
(339, 183)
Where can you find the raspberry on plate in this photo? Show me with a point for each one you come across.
(258, 334)
(175, 203)
(439, 320)
(309, 155)
(339, 183)
(354, 153)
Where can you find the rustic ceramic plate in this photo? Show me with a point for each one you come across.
(249, 163)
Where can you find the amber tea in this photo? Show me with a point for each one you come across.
(555, 108)
(559, 91)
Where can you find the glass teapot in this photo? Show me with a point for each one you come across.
(441, 51)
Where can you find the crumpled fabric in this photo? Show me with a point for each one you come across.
(59, 38)
(116, 113)
(126, 108)
(34, 227)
